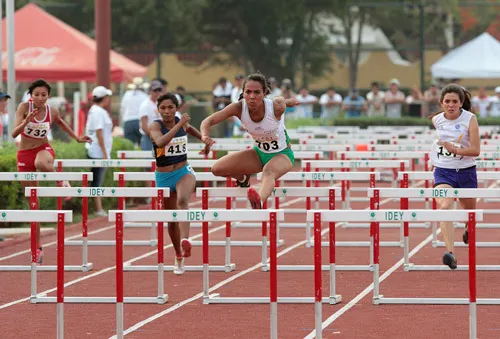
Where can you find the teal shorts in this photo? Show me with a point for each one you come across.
(170, 179)
(265, 157)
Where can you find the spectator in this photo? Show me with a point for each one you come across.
(129, 110)
(415, 102)
(330, 104)
(354, 105)
(394, 100)
(481, 103)
(375, 101)
(275, 91)
(237, 128)
(288, 93)
(306, 103)
(237, 88)
(222, 98)
(4, 122)
(432, 99)
(494, 108)
(148, 113)
(187, 97)
(99, 127)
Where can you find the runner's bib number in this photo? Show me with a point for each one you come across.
(176, 147)
(442, 152)
(267, 145)
(37, 130)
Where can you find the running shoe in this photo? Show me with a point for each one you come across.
(254, 198)
(465, 236)
(186, 247)
(245, 182)
(39, 256)
(179, 266)
(450, 260)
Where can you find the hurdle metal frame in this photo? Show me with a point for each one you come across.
(405, 193)
(58, 177)
(376, 216)
(117, 217)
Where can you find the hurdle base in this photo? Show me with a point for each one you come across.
(46, 268)
(356, 244)
(242, 243)
(383, 225)
(191, 268)
(325, 268)
(111, 243)
(217, 299)
(413, 267)
(43, 299)
(433, 301)
(461, 244)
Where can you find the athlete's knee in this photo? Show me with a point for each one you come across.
(445, 204)
(268, 172)
(44, 165)
(219, 170)
(182, 202)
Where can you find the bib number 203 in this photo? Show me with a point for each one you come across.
(268, 146)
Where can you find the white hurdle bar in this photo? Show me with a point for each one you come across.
(149, 155)
(347, 165)
(376, 216)
(205, 216)
(110, 192)
(59, 217)
(329, 192)
(67, 163)
(117, 217)
(405, 193)
(58, 177)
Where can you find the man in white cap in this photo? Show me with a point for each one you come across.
(394, 100)
(129, 110)
(99, 127)
(494, 107)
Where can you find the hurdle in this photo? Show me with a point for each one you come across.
(110, 192)
(60, 217)
(405, 193)
(119, 299)
(47, 176)
(149, 155)
(52, 216)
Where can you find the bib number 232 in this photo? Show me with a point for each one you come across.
(268, 146)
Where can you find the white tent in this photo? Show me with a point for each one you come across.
(478, 58)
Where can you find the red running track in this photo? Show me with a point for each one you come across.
(184, 316)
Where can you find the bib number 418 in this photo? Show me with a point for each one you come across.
(268, 146)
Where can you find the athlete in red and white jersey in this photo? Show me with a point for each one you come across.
(33, 123)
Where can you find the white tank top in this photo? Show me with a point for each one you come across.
(454, 131)
(269, 133)
(38, 129)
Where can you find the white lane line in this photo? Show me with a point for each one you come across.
(55, 242)
(227, 281)
(107, 269)
(367, 290)
(212, 289)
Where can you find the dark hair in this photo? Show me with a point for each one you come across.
(180, 88)
(462, 93)
(163, 81)
(39, 83)
(260, 78)
(97, 100)
(375, 84)
(168, 96)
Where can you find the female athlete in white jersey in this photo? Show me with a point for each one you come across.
(264, 121)
(453, 156)
(33, 121)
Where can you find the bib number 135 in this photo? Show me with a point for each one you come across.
(443, 152)
(268, 146)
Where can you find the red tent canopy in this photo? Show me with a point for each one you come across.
(48, 48)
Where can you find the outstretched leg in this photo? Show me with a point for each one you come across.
(173, 227)
(467, 204)
(448, 230)
(238, 164)
(185, 187)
